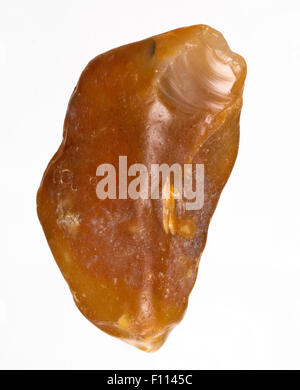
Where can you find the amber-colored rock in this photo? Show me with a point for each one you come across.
(173, 98)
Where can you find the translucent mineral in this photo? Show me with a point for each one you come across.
(174, 98)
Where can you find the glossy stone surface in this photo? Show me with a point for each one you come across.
(174, 98)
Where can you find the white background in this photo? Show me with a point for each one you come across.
(244, 311)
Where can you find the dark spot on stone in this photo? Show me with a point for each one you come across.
(152, 48)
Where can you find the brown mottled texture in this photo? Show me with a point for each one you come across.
(173, 98)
